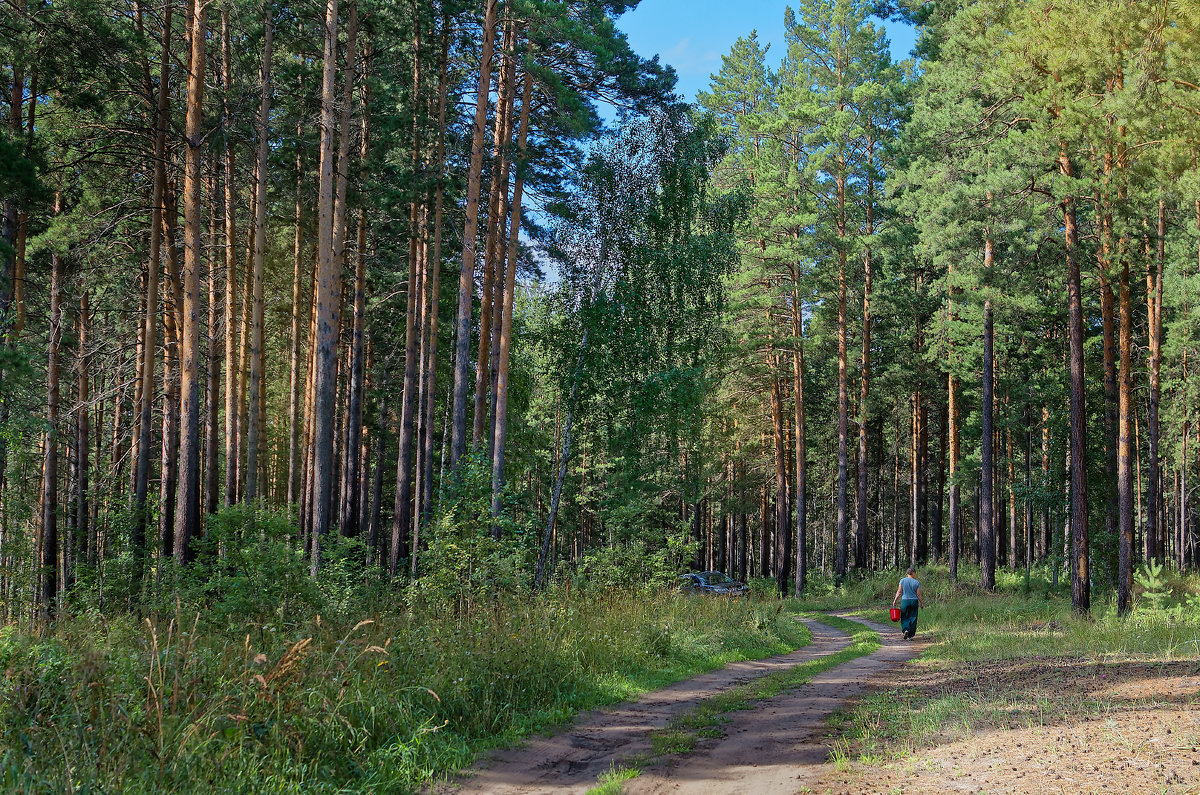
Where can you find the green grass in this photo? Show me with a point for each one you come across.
(322, 706)
(612, 782)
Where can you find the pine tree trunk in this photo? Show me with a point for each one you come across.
(328, 282)
(430, 332)
(782, 522)
(243, 405)
(1125, 410)
(466, 281)
(987, 522)
(48, 592)
(212, 465)
(82, 427)
(1154, 302)
(294, 403)
(801, 497)
(402, 516)
(843, 387)
(491, 310)
(233, 372)
(255, 385)
(1080, 574)
(861, 543)
(500, 430)
(188, 506)
(146, 397)
(172, 300)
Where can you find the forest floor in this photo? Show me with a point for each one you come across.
(1021, 708)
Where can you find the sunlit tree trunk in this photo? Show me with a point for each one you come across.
(466, 281)
(232, 371)
(500, 430)
(188, 505)
(213, 381)
(172, 303)
(490, 310)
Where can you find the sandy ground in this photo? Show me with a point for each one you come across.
(1076, 726)
(572, 761)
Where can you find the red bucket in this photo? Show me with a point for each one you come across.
(894, 614)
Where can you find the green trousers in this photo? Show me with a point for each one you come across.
(908, 616)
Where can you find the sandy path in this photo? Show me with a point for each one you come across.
(778, 747)
(571, 762)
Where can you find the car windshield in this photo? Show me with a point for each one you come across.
(717, 578)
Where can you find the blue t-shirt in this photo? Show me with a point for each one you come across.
(908, 588)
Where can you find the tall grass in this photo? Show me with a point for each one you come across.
(377, 705)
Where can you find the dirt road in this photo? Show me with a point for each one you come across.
(764, 750)
(776, 748)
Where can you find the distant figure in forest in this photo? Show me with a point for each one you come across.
(908, 594)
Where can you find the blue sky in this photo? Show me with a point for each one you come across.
(692, 35)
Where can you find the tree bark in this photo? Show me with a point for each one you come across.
(500, 428)
(801, 497)
(843, 387)
(352, 478)
(187, 508)
(466, 281)
(83, 425)
(146, 398)
(1154, 302)
(1125, 411)
(48, 593)
(403, 514)
(1080, 574)
(255, 417)
(212, 464)
(987, 523)
(232, 370)
(328, 282)
(172, 302)
(294, 354)
(491, 310)
(430, 332)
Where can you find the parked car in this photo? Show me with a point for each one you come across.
(713, 583)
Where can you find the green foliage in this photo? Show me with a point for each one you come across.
(472, 556)
(1153, 588)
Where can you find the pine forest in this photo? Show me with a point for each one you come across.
(371, 370)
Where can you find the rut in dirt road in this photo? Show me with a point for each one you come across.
(778, 746)
(572, 761)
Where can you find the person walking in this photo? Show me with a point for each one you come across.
(908, 594)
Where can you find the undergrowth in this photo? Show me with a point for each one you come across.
(374, 705)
